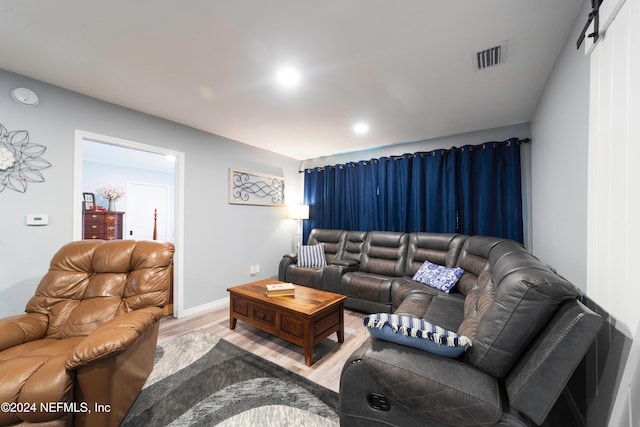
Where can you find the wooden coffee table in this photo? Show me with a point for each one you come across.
(304, 319)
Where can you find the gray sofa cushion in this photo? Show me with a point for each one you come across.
(305, 276)
(446, 311)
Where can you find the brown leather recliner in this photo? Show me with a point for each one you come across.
(86, 345)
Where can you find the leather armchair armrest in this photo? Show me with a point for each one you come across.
(113, 337)
(22, 328)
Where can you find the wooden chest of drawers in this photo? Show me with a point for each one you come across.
(102, 225)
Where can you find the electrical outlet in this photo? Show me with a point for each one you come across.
(253, 270)
(257, 268)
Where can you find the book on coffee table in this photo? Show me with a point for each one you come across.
(280, 289)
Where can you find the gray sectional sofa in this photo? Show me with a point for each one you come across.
(527, 327)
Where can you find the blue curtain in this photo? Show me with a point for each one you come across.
(471, 190)
(314, 197)
(394, 184)
(367, 218)
(489, 190)
(432, 201)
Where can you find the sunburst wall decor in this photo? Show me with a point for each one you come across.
(20, 161)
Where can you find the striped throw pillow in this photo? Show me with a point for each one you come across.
(417, 333)
(311, 256)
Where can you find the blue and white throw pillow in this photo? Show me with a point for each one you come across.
(438, 276)
(417, 333)
(311, 256)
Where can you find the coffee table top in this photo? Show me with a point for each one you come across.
(306, 300)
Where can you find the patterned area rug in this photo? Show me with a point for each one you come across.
(201, 380)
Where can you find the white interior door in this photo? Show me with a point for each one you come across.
(142, 201)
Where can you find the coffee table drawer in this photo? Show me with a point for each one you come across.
(263, 315)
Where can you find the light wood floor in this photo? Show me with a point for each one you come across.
(329, 356)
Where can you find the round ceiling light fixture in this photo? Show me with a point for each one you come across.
(361, 128)
(25, 96)
(288, 77)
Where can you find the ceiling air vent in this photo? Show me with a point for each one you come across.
(490, 57)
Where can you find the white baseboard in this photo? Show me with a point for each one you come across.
(213, 305)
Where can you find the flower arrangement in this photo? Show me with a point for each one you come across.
(111, 193)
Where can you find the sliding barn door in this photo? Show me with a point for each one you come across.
(613, 219)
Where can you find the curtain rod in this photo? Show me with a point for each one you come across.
(432, 152)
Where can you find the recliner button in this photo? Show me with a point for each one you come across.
(379, 402)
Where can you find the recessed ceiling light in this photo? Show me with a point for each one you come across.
(361, 128)
(288, 77)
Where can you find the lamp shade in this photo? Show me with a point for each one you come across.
(299, 211)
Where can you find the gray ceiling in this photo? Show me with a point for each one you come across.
(405, 66)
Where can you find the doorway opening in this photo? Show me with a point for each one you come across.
(153, 182)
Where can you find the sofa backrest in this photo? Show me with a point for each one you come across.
(438, 248)
(474, 259)
(385, 253)
(333, 241)
(353, 246)
(517, 301)
(90, 282)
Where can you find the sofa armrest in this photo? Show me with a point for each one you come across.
(424, 386)
(345, 263)
(332, 276)
(292, 256)
(22, 328)
(285, 262)
(113, 337)
(544, 370)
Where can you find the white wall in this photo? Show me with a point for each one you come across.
(560, 133)
(221, 240)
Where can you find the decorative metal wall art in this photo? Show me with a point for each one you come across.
(20, 161)
(250, 188)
